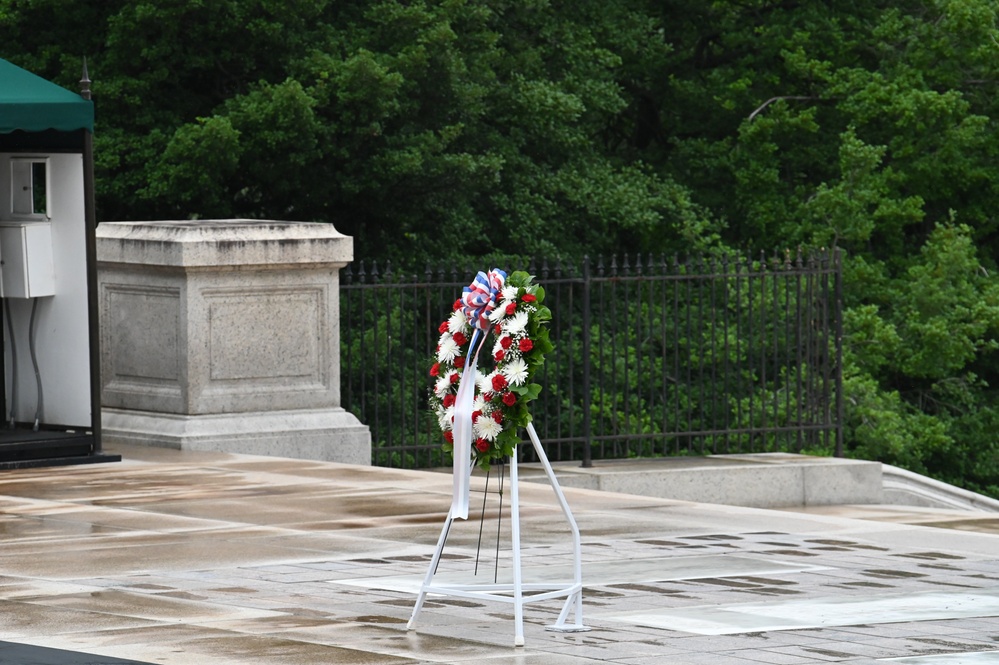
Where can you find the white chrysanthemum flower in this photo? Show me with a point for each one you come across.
(497, 314)
(442, 386)
(444, 417)
(479, 404)
(487, 428)
(485, 382)
(509, 293)
(516, 372)
(516, 323)
(448, 351)
(457, 322)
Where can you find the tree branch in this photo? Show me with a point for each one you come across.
(775, 99)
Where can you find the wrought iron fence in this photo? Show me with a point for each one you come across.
(653, 356)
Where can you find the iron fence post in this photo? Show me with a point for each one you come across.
(587, 434)
(838, 380)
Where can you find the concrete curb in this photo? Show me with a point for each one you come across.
(902, 487)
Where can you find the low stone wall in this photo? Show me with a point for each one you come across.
(224, 335)
(757, 480)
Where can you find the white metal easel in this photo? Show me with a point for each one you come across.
(572, 591)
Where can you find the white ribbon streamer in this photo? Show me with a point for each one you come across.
(478, 300)
(463, 432)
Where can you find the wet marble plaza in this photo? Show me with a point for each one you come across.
(202, 558)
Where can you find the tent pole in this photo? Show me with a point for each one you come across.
(90, 223)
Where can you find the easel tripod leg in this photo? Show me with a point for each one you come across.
(518, 582)
(575, 599)
(430, 573)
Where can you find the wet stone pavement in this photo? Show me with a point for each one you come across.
(197, 558)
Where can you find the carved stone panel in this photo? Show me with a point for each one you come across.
(265, 345)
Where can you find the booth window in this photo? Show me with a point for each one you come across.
(29, 187)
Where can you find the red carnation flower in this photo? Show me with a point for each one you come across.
(497, 416)
(511, 308)
(449, 436)
(442, 328)
(528, 297)
(475, 415)
(509, 399)
(498, 329)
(506, 342)
(459, 362)
(499, 382)
(435, 370)
(454, 377)
(459, 339)
(448, 400)
(525, 345)
(499, 355)
(481, 445)
(457, 304)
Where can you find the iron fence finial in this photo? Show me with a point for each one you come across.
(85, 81)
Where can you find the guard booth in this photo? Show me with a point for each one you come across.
(48, 275)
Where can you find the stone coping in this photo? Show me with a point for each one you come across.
(221, 243)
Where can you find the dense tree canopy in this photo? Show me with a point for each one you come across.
(462, 127)
(404, 123)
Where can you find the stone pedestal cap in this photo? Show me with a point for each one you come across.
(223, 242)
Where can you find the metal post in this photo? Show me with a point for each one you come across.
(838, 313)
(90, 225)
(587, 432)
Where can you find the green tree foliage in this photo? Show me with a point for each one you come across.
(450, 128)
(868, 127)
(447, 128)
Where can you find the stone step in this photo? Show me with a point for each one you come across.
(764, 480)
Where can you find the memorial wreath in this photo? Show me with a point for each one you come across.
(510, 312)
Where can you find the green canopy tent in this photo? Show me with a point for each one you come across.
(35, 113)
(29, 103)
(39, 116)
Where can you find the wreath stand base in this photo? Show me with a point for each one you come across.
(518, 593)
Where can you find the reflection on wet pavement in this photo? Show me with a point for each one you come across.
(977, 658)
(186, 558)
(815, 613)
(629, 571)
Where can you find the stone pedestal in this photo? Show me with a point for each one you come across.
(224, 335)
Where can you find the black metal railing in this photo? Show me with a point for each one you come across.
(653, 356)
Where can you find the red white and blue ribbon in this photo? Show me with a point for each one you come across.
(478, 300)
(480, 297)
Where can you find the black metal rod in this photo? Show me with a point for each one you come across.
(499, 522)
(587, 388)
(838, 345)
(482, 522)
(799, 344)
(677, 349)
(738, 345)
